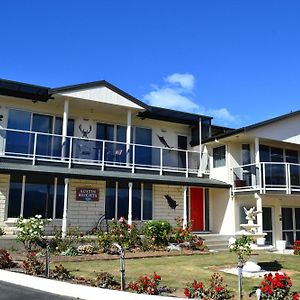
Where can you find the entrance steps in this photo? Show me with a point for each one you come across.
(215, 241)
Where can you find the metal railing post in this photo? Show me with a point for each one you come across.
(133, 158)
(70, 154)
(288, 178)
(264, 177)
(186, 163)
(34, 148)
(103, 155)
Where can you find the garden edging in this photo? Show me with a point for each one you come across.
(71, 289)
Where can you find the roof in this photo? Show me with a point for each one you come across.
(98, 83)
(253, 126)
(83, 173)
(164, 114)
(42, 93)
(24, 90)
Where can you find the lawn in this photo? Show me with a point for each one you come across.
(177, 271)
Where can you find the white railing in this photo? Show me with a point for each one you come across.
(73, 151)
(267, 176)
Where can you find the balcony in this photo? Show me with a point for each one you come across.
(267, 177)
(39, 148)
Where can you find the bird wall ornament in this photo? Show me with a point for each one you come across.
(171, 202)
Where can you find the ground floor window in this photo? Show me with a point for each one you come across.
(116, 200)
(35, 195)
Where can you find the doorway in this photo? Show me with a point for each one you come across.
(290, 224)
(197, 208)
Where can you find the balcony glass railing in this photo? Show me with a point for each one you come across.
(38, 146)
(267, 176)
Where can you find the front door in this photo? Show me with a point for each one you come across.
(197, 208)
(268, 224)
(290, 224)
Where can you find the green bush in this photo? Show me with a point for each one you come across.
(31, 230)
(59, 244)
(158, 232)
(61, 273)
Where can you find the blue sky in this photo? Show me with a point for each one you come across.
(238, 61)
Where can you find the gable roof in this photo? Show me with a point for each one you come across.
(99, 83)
(253, 126)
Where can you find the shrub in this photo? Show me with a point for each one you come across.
(105, 241)
(86, 249)
(277, 287)
(124, 234)
(31, 230)
(71, 251)
(216, 289)
(104, 280)
(5, 260)
(242, 248)
(33, 265)
(158, 232)
(146, 285)
(296, 247)
(180, 234)
(2, 232)
(61, 273)
(59, 244)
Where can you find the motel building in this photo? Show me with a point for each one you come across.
(78, 153)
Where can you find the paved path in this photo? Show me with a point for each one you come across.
(10, 291)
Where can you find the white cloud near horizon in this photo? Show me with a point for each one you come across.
(177, 93)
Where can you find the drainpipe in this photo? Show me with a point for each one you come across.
(65, 128)
(65, 211)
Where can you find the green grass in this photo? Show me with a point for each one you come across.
(177, 271)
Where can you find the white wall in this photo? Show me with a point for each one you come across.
(221, 212)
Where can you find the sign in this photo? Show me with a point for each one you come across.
(87, 194)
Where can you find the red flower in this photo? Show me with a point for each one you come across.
(187, 293)
(156, 276)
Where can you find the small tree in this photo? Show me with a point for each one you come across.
(242, 248)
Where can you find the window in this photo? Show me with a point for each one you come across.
(23, 142)
(116, 200)
(37, 196)
(219, 157)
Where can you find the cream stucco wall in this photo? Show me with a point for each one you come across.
(221, 211)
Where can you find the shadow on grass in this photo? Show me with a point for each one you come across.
(270, 265)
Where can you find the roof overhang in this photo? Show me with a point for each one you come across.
(24, 90)
(110, 175)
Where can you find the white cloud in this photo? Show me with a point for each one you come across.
(186, 81)
(177, 93)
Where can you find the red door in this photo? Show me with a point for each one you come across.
(196, 208)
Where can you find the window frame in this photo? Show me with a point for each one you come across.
(221, 157)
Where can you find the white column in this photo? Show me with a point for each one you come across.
(128, 136)
(65, 211)
(185, 191)
(54, 198)
(65, 127)
(130, 203)
(200, 148)
(259, 216)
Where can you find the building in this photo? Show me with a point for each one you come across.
(76, 153)
(261, 162)
(79, 152)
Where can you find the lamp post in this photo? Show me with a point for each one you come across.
(122, 264)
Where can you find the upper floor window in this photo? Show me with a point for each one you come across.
(219, 157)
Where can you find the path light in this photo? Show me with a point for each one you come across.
(122, 264)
